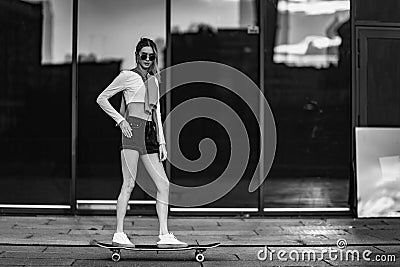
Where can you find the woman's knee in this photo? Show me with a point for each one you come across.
(128, 185)
(163, 186)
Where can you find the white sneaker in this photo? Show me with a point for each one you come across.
(121, 240)
(170, 241)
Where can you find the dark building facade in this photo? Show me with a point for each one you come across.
(315, 108)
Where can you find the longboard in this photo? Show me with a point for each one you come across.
(116, 250)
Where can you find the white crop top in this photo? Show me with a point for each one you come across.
(133, 88)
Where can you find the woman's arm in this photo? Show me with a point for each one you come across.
(117, 85)
(160, 134)
(122, 108)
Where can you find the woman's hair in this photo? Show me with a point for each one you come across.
(148, 42)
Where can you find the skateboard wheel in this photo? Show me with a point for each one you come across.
(116, 256)
(199, 257)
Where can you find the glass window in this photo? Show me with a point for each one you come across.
(217, 32)
(308, 85)
(35, 103)
(308, 32)
(107, 35)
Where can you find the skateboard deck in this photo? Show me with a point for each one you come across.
(116, 250)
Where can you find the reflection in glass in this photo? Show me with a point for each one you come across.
(34, 104)
(217, 31)
(109, 30)
(308, 81)
(107, 34)
(308, 32)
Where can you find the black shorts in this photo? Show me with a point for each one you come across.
(144, 136)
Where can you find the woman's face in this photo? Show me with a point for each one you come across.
(146, 57)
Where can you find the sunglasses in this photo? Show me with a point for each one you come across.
(144, 56)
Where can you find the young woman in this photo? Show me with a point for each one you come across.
(142, 136)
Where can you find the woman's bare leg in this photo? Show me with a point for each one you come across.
(156, 171)
(129, 161)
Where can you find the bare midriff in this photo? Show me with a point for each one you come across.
(136, 109)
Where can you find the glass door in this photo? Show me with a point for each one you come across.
(222, 32)
(308, 85)
(35, 104)
(107, 35)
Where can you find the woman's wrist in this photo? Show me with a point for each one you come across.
(119, 123)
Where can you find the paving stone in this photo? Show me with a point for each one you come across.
(92, 232)
(220, 253)
(50, 255)
(359, 232)
(67, 239)
(90, 250)
(240, 223)
(395, 249)
(6, 225)
(392, 220)
(27, 219)
(10, 236)
(134, 264)
(76, 221)
(141, 224)
(27, 231)
(363, 248)
(193, 222)
(316, 222)
(126, 227)
(267, 233)
(37, 262)
(23, 248)
(45, 241)
(194, 219)
(136, 232)
(245, 253)
(356, 239)
(238, 227)
(387, 234)
(384, 227)
(355, 220)
(217, 233)
(281, 221)
(317, 242)
(259, 240)
(58, 226)
(276, 229)
(315, 227)
(174, 228)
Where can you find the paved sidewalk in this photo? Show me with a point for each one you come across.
(65, 241)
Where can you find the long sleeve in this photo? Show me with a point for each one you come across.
(117, 85)
(160, 133)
